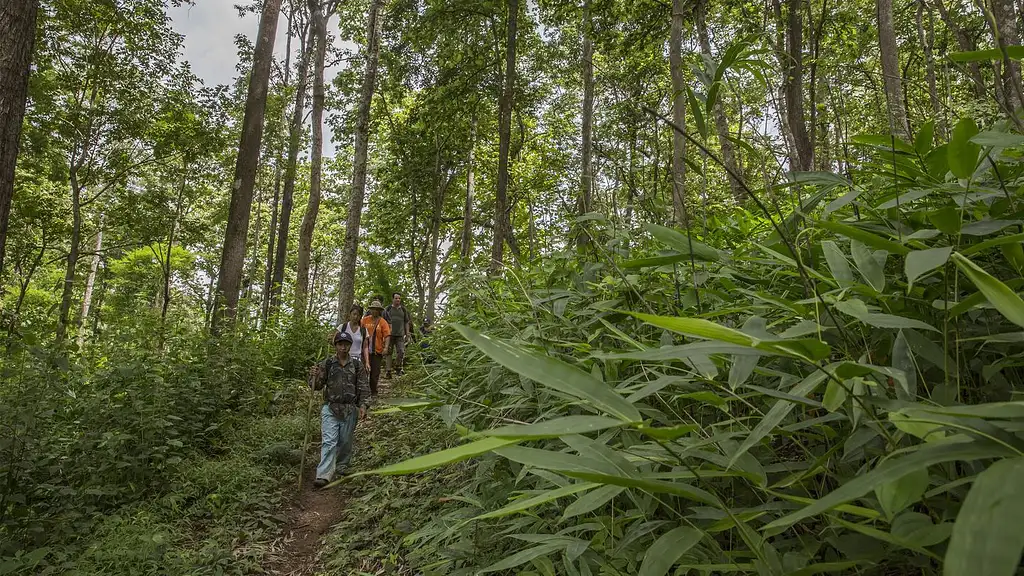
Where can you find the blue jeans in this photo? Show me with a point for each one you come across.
(336, 442)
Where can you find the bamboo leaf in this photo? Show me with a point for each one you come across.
(962, 153)
(555, 428)
(998, 294)
(987, 538)
(553, 373)
(871, 239)
(527, 503)
(920, 262)
(448, 456)
(869, 267)
(667, 549)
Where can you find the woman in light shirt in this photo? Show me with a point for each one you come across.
(360, 350)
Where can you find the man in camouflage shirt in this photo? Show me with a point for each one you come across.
(346, 397)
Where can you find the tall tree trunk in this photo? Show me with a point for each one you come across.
(891, 70)
(166, 264)
(17, 38)
(675, 58)
(927, 40)
(355, 204)
(315, 160)
(90, 282)
(467, 211)
(721, 123)
(502, 229)
(966, 44)
(232, 258)
(587, 168)
(1003, 23)
(793, 87)
(72, 258)
(291, 166)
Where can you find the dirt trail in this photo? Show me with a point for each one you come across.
(310, 517)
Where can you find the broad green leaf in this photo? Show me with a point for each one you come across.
(835, 395)
(522, 557)
(918, 529)
(895, 468)
(673, 432)
(679, 242)
(989, 55)
(1014, 254)
(998, 294)
(869, 267)
(947, 219)
(905, 421)
(591, 501)
(553, 373)
(807, 349)
(884, 141)
(987, 537)
(962, 153)
(435, 459)
(871, 239)
(920, 262)
(998, 139)
(896, 495)
(527, 503)
(555, 428)
(838, 264)
(667, 549)
(859, 310)
(655, 261)
(924, 138)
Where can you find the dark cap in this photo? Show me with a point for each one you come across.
(342, 337)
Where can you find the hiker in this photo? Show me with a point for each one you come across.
(378, 331)
(346, 398)
(360, 351)
(400, 320)
(374, 299)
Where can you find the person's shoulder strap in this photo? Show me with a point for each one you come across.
(362, 332)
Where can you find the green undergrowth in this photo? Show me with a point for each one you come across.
(382, 511)
(217, 515)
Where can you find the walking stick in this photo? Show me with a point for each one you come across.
(305, 441)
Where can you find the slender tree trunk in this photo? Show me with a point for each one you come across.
(927, 40)
(793, 87)
(291, 167)
(17, 39)
(166, 264)
(587, 168)
(467, 211)
(501, 219)
(268, 273)
(232, 259)
(315, 160)
(90, 282)
(355, 205)
(891, 70)
(675, 57)
(966, 44)
(721, 123)
(24, 280)
(72, 258)
(1003, 23)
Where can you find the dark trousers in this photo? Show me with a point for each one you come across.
(375, 362)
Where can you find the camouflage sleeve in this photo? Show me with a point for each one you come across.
(362, 386)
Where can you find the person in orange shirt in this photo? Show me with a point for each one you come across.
(379, 332)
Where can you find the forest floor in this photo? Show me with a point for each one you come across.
(310, 516)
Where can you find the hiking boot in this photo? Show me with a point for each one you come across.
(320, 482)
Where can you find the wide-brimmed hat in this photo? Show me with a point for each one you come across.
(342, 337)
(375, 305)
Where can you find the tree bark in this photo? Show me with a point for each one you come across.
(467, 211)
(232, 259)
(291, 167)
(587, 167)
(675, 57)
(315, 160)
(1004, 29)
(72, 259)
(90, 282)
(721, 123)
(927, 40)
(891, 70)
(966, 44)
(17, 39)
(501, 218)
(355, 205)
(793, 87)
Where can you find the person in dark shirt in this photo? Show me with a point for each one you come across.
(346, 397)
